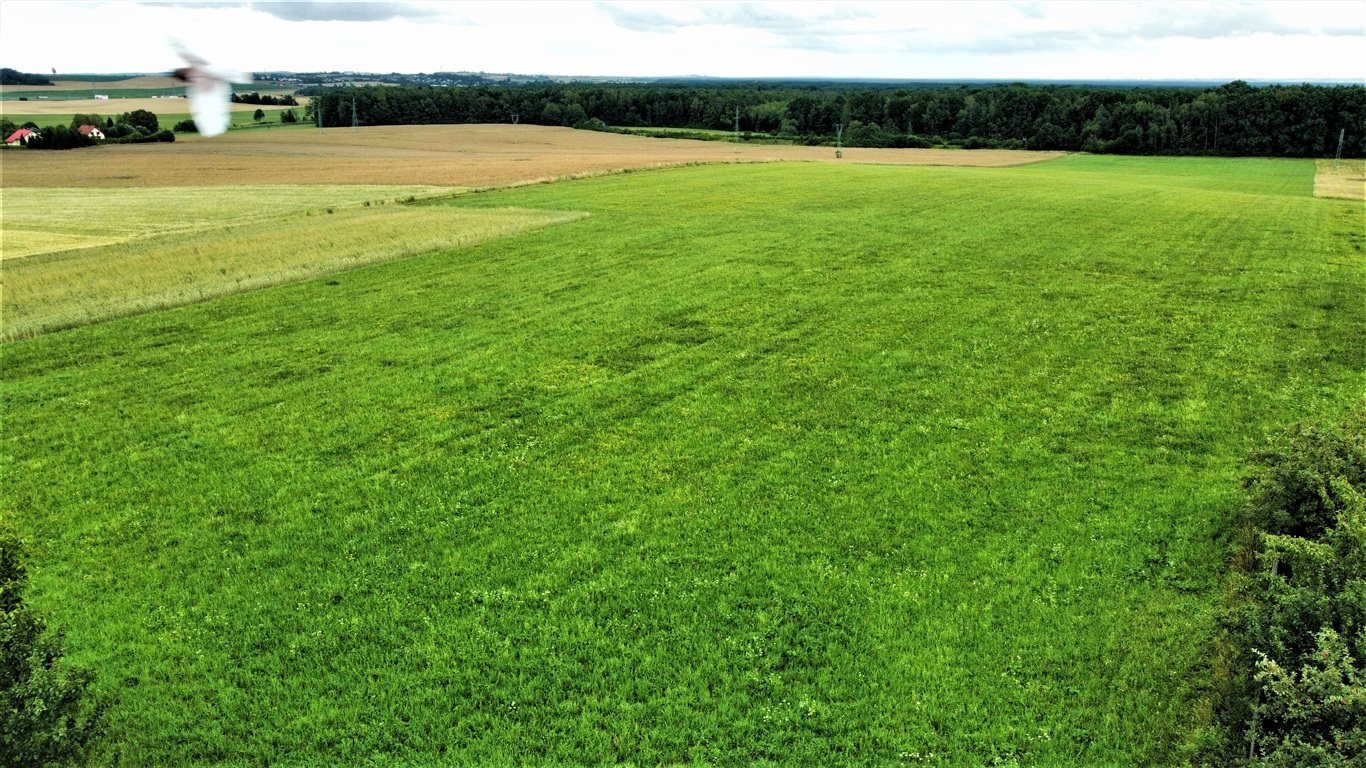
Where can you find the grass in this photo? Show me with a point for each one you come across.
(241, 116)
(153, 248)
(801, 464)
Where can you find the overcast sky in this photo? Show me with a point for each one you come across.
(1290, 41)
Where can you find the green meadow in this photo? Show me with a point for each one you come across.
(786, 464)
(238, 118)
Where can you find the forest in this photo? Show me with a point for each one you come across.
(1232, 119)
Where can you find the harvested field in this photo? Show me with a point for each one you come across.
(1348, 181)
(439, 155)
(144, 81)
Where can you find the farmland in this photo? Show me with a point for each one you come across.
(796, 462)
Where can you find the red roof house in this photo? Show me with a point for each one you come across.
(91, 131)
(19, 136)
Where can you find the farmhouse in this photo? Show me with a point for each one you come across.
(20, 136)
(91, 131)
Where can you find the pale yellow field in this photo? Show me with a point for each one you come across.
(48, 292)
(470, 156)
(48, 219)
(146, 81)
(1348, 181)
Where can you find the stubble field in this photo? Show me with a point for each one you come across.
(467, 156)
(782, 463)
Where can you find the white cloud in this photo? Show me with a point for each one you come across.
(995, 40)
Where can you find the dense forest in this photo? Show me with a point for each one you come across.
(1233, 119)
(15, 77)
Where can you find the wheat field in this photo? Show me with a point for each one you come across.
(469, 156)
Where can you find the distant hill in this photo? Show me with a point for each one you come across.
(15, 77)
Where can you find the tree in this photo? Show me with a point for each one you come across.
(47, 716)
(80, 119)
(142, 119)
(288, 116)
(258, 115)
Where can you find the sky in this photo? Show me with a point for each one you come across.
(1279, 41)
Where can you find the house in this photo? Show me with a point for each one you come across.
(21, 136)
(91, 131)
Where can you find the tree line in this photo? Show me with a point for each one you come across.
(267, 99)
(15, 77)
(1233, 119)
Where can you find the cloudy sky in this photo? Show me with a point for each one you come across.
(1290, 41)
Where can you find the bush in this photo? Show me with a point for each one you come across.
(1298, 623)
(1293, 494)
(47, 716)
(186, 126)
(144, 120)
(591, 124)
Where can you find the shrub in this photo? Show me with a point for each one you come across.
(591, 124)
(1298, 624)
(186, 126)
(1293, 493)
(46, 714)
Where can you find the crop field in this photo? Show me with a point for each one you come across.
(153, 248)
(100, 84)
(776, 463)
(468, 156)
(1344, 179)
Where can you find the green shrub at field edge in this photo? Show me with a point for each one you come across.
(1299, 628)
(47, 716)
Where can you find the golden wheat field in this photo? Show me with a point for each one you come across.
(1340, 178)
(468, 156)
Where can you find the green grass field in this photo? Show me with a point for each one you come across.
(238, 119)
(779, 464)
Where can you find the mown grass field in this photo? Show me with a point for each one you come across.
(240, 116)
(789, 463)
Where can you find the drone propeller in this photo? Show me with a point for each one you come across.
(209, 90)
